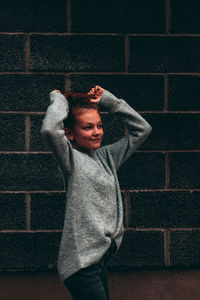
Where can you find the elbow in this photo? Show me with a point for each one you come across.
(45, 132)
(147, 130)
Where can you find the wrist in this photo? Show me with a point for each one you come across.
(108, 101)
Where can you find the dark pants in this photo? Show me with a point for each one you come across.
(91, 283)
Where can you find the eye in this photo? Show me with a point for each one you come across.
(87, 127)
(100, 125)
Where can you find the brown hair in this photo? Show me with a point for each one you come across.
(77, 100)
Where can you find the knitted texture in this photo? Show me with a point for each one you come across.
(94, 209)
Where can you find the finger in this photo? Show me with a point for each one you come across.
(95, 101)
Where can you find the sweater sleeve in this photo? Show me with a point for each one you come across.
(52, 131)
(138, 128)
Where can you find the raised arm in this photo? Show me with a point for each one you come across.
(138, 128)
(53, 133)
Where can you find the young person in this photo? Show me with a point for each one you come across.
(93, 226)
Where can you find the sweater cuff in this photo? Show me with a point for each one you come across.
(108, 101)
(55, 95)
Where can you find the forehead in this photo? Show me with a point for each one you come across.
(85, 115)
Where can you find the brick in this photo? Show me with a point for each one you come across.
(164, 54)
(36, 141)
(184, 93)
(143, 170)
(29, 251)
(174, 131)
(118, 16)
(141, 92)
(28, 92)
(184, 170)
(35, 172)
(12, 52)
(12, 132)
(184, 248)
(13, 211)
(164, 209)
(77, 53)
(185, 16)
(43, 15)
(140, 249)
(110, 124)
(47, 210)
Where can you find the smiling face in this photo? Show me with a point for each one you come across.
(87, 133)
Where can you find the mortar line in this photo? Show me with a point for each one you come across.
(162, 229)
(138, 34)
(127, 207)
(136, 151)
(28, 210)
(50, 73)
(27, 52)
(27, 133)
(31, 231)
(131, 191)
(139, 111)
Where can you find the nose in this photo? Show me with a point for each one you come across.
(96, 131)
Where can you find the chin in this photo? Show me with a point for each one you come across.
(96, 147)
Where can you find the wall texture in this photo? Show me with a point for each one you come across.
(146, 52)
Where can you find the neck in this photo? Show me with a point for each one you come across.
(81, 149)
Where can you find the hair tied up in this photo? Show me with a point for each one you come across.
(76, 98)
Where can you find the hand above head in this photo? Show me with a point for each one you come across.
(96, 93)
(57, 91)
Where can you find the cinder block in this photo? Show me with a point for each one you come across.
(140, 249)
(12, 52)
(185, 16)
(36, 141)
(12, 212)
(28, 92)
(164, 54)
(184, 93)
(12, 133)
(29, 251)
(142, 92)
(184, 170)
(184, 248)
(77, 53)
(164, 209)
(40, 16)
(143, 170)
(47, 210)
(118, 16)
(173, 131)
(22, 172)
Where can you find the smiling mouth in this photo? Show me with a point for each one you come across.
(96, 140)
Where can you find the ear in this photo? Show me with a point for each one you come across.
(69, 134)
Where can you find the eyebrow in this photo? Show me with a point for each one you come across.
(92, 123)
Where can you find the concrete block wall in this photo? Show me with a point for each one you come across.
(146, 52)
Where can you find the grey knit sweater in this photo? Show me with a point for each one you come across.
(94, 211)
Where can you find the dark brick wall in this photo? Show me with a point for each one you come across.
(146, 52)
